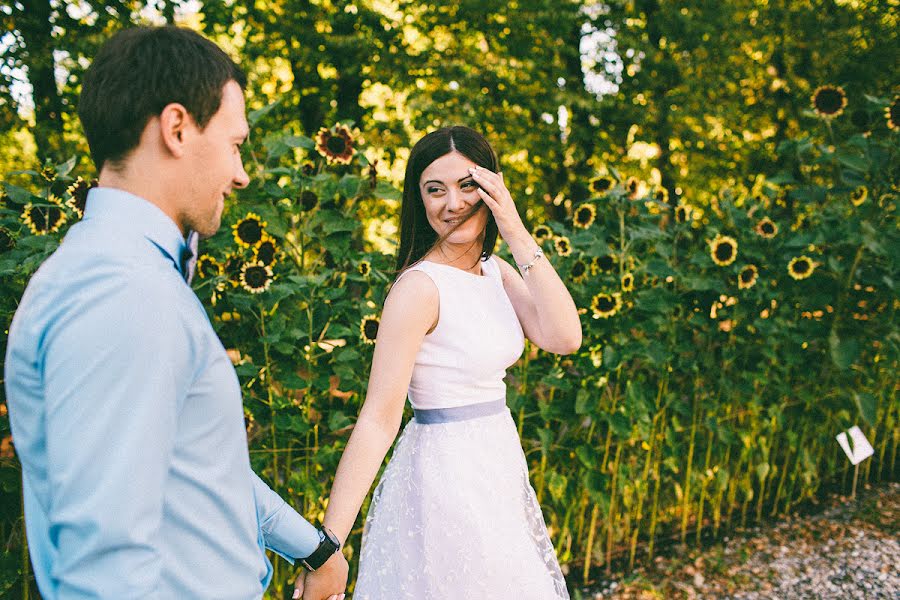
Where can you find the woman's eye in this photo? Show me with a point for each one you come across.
(433, 190)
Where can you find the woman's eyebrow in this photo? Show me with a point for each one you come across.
(460, 180)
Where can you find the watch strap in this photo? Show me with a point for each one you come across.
(328, 546)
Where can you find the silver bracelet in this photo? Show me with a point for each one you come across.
(538, 254)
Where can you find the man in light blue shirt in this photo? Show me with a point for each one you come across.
(125, 410)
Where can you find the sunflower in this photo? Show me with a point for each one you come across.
(829, 101)
(597, 355)
(43, 218)
(801, 267)
(48, 172)
(584, 216)
(335, 144)
(266, 251)
(364, 268)
(892, 114)
(308, 169)
(605, 263)
(766, 228)
(563, 245)
(661, 195)
(723, 250)
(78, 192)
(606, 305)
(747, 277)
(256, 277)
(308, 200)
(601, 185)
(208, 266)
(232, 268)
(249, 231)
(632, 187)
(541, 233)
(579, 271)
(368, 328)
(627, 282)
(859, 195)
(682, 213)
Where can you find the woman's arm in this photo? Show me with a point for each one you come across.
(540, 298)
(410, 312)
(543, 304)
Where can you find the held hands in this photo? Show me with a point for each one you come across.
(328, 582)
(492, 190)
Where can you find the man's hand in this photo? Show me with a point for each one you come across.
(328, 582)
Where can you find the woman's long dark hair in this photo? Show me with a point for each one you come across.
(417, 237)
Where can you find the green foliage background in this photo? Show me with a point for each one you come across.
(699, 405)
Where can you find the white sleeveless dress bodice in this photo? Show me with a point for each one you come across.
(478, 336)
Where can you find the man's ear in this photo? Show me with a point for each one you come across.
(175, 124)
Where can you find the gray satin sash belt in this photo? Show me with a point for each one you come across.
(430, 416)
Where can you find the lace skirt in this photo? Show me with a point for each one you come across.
(455, 517)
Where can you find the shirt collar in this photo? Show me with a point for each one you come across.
(127, 211)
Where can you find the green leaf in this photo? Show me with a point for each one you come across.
(17, 194)
(866, 404)
(65, 168)
(843, 351)
(349, 185)
(857, 163)
(557, 484)
(586, 455)
(386, 191)
(620, 424)
(255, 115)
(299, 141)
(581, 402)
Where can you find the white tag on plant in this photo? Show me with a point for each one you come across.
(855, 446)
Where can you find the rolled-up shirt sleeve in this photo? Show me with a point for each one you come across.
(115, 368)
(284, 530)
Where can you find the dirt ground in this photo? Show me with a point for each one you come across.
(849, 549)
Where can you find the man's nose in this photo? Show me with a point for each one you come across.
(241, 179)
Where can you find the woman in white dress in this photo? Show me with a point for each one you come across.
(454, 515)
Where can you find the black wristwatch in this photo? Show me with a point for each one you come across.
(328, 545)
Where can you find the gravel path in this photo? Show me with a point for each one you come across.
(849, 550)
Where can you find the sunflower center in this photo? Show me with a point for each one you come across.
(605, 303)
(266, 253)
(578, 269)
(249, 231)
(768, 228)
(605, 263)
(584, 215)
(370, 328)
(336, 144)
(747, 275)
(724, 251)
(801, 266)
(256, 277)
(602, 184)
(829, 101)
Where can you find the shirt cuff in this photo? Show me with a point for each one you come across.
(289, 535)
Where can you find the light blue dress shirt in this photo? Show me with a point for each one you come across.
(126, 414)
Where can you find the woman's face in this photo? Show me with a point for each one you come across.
(448, 192)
